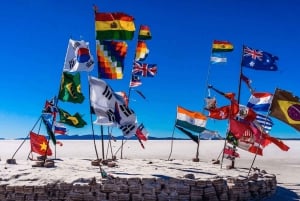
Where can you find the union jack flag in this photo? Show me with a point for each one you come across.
(143, 69)
(258, 59)
(254, 54)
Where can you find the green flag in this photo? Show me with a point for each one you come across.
(70, 88)
(74, 120)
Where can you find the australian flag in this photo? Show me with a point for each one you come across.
(258, 59)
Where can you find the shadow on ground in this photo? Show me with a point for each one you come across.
(284, 194)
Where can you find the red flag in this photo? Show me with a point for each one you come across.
(142, 133)
(219, 113)
(39, 144)
(230, 153)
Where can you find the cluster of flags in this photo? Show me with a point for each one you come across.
(140, 68)
(219, 48)
(248, 129)
(112, 31)
(250, 125)
(111, 108)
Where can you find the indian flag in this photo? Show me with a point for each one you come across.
(194, 121)
(222, 46)
(114, 26)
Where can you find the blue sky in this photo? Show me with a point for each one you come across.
(35, 36)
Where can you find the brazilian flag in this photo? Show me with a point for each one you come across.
(70, 88)
(72, 120)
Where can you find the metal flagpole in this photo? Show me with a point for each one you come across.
(24, 140)
(239, 95)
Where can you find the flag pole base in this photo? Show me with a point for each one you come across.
(11, 161)
(196, 159)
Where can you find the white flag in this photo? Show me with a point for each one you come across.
(109, 109)
(78, 57)
(217, 58)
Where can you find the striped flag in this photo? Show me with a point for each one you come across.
(135, 81)
(222, 46)
(218, 58)
(141, 51)
(114, 26)
(260, 101)
(144, 33)
(194, 121)
(59, 128)
(265, 122)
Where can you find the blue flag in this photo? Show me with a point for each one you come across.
(258, 59)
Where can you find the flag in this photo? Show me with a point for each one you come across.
(264, 139)
(103, 101)
(241, 135)
(221, 46)
(121, 96)
(247, 81)
(142, 133)
(59, 128)
(114, 26)
(258, 59)
(286, 107)
(211, 103)
(260, 101)
(70, 88)
(39, 144)
(72, 120)
(140, 93)
(230, 153)
(111, 56)
(249, 137)
(59, 143)
(143, 69)
(246, 113)
(189, 134)
(194, 121)
(109, 109)
(218, 58)
(50, 107)
(141, 51)
(135, 81)
(78, 57)
(128, 129)
(265, 122)
(144, 33)
(209, 134)
(219, 113)
(47, 119)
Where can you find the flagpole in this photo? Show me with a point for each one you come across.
(197, 152)
(172, 143)
(239, 95)
(260, 140)
(207, 78)
(25, 139)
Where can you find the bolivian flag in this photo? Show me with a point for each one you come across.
(144, 33)
(114, 26)
(222, 46)
(194, 121)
